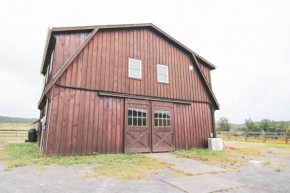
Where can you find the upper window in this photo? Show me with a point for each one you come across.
(162, 71)
(134, 68)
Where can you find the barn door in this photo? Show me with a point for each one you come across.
(137, 133)
(162, 127)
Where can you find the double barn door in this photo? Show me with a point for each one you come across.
(149, 126)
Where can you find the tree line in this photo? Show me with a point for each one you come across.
(266, 125)
(16, 120)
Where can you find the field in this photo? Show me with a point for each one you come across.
(8, 131)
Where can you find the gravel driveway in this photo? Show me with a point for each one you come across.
(73, 179)
(273, 177)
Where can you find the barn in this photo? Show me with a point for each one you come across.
(122, 89)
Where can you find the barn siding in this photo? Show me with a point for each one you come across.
(65, 45)
(82, 123)
(193, 125)
(103, 65)
(205, 70)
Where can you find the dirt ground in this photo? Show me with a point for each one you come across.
(268, 171)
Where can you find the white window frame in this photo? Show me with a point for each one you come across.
(167, 81)
(129, 74)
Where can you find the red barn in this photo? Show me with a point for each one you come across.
(123, 88)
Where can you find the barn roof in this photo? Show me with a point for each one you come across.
(94, 30)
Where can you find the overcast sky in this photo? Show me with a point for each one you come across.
(248, 41)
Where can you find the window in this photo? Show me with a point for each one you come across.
(162, 71)
(162, 118)
(134, 68)
(137, 117)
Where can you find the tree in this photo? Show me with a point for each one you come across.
(288, 130)
(251, 125)
(244, 129)
(223, 124)
(281, 126)
(265, 125)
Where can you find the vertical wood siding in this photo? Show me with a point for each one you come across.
(65, 45)
(205, 70)
(82, 123)
(193, 125)
(103, 65)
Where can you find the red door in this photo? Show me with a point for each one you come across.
(162, 127)
(137, 126)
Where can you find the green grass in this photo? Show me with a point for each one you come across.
(224, 156)
(229, 159)
(122, 166)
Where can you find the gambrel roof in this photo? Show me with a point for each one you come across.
(94, 29)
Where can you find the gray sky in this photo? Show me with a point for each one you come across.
(248, 41)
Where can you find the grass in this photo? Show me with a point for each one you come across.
(266, 163)
(15, 126)
(121, 166)
(231, 159)
(224, 158)
(268, 144)
(278, 169)
(9, 126)
(257, 140)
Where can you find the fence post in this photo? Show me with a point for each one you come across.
(264, 136)
(246, 135)
(285, 137)
(16, 132)
(229, 135)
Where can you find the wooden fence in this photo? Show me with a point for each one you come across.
(13, 133)
(255, 136)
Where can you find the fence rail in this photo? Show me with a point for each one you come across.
(255, 136)
(13, 132)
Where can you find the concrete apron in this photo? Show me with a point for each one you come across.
(201, 181)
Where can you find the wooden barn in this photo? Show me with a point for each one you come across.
(123, 88)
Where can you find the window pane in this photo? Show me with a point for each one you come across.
(162, 73)
(130, 112)
(135, 73)
(144, 114)
(155, 122)
(156, 114)
(168, 122)
(139, 113)
(135, 121)
(164, 114)
(144, 122)
(160, 122)
(168, 114)
(130, 121)
(134, 68)
(134, 112)
(164, 122)
(160, 114)
(139, 121)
